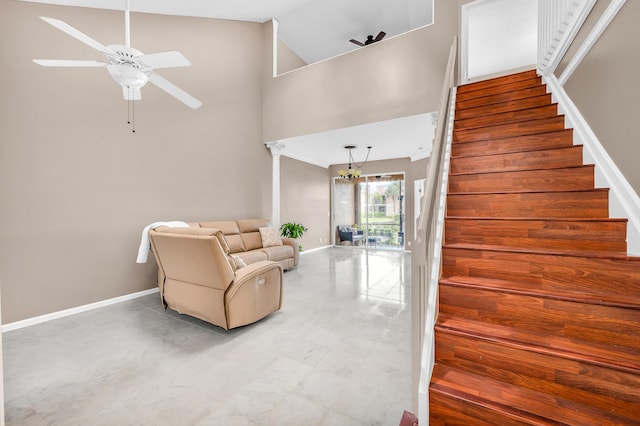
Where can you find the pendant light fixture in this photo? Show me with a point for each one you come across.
(354, 168)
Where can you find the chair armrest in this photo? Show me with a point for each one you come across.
(296, 250)
(255, 293)
(251, 272)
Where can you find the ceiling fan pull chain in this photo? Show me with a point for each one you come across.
(133, 114)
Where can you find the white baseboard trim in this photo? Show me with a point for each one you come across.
(72, 311)
(623, 200)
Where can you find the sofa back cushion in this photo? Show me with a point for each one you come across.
(251, 225)
(231, 234)
(252, 240)
(228, 227)
(198, 231)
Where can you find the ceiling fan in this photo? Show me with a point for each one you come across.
(369, 39)
(129, 67)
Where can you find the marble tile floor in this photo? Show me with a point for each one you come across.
(337, 353)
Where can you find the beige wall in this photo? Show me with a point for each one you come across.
(412, 171)
(287, 59)
(394, 78)
(77, 186)
(304, 198)
(605, 89)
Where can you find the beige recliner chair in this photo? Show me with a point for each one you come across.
(199, 278)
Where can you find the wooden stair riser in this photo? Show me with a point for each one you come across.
(562, 204)
(575, 380)
(615, 357)
(595, 235)
(545, 316)
(504, 88)
(446, 410)
(506, 117)
(565, 179)
(500, 98)
(507, 403)
(558, 139)
(498, 81)
(532, 160)
(508, 106)
(509, 130)
(614, 280)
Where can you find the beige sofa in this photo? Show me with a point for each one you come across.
(197, 276)
(245, 241)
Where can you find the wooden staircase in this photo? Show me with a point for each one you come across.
(539, 305)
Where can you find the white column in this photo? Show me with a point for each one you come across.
(276, 150)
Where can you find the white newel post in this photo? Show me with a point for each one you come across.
(276, 150)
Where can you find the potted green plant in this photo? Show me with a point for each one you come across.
(293, 230)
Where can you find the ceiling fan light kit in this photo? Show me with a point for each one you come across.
(129, 67)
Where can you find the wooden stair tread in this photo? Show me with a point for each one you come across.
(505, 172)
(563, 178)
(544, 140)
(570, 253)
(502, 88)
(513, 116)
(513, 161)
(498, 81)
(501, 131)
(497, 98)
(533, 289)
(529, 150)
(614, 357)
(550, 191)
(598, 278)
(556, 235)
(528, 406)
(510, 105)
(551, 219)
(519, 203)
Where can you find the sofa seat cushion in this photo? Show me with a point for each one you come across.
(252, 256)
(277, 253)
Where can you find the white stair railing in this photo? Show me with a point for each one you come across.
(427, 248)
(558, 24)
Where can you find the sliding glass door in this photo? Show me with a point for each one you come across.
(369, 211)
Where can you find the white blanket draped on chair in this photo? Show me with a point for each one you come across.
(145, 246)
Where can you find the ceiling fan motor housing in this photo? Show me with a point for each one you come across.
(126, 69)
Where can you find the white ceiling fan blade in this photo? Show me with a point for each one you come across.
(68, 63)
(130, 94)
(175, 91)
(64, 27)
(170, 59)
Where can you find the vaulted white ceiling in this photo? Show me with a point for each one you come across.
(318, 30)
(315, 30)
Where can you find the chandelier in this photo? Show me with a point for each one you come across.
(352, 172)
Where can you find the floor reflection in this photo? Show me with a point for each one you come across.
(376, 275)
